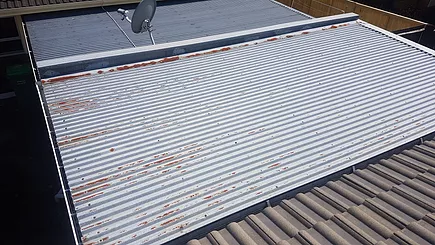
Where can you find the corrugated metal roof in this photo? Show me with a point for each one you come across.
(392, 202)
(68, 33)
(156, 151)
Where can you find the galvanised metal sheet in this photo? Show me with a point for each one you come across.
(62, 34)
(153, 152)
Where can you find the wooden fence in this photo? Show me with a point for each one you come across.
(386, 20)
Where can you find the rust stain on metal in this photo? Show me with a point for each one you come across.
(258, 193)
(183, 171)
(305, 32)
(143, 223)
(91, 243)
(152, 228)
(64, 78)
(272, 39)
(130, 164)
(193, 195)
(112, 149)
(213, 203)
(95, 225)
(173, 162)
(169, 59)
(181, 226)
(172, 203)
(126, 178)
(90, 190)
(143, 172)
(273, 165)
(192, 55)
(80, 138)
(216, 194)
(72, 105)
(172, 220)
(165, 171)
(90, 197)
(100, 72)
(334, 27)
(104, 239)
(91, 183)
(164, 159)
(168, 213)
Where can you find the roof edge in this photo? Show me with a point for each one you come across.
(81, 63)
(398, 38)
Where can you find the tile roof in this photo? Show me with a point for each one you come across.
(391, 202)
(8, 4)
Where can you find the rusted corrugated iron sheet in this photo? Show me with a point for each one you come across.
(392, 202)
(153, 152)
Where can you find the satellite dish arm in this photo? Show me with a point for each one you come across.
(124, 13)
(148, 27)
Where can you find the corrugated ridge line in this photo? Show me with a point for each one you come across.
(366, 228)
(275, 149)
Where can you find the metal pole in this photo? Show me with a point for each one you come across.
(149, 29)
(151, 37)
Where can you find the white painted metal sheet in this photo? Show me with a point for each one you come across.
(153, 152)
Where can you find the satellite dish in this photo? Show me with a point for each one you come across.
(143, 12)
(142, 16)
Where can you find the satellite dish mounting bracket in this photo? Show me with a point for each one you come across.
(146, 26)
(142, 16)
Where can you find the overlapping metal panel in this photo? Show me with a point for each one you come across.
(153, 152)
(386, 203)
(63, 34)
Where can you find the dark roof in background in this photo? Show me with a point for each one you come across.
(67, 33)
(392, 202)
(10, 4)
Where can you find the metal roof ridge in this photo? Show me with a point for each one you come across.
(81, 63)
